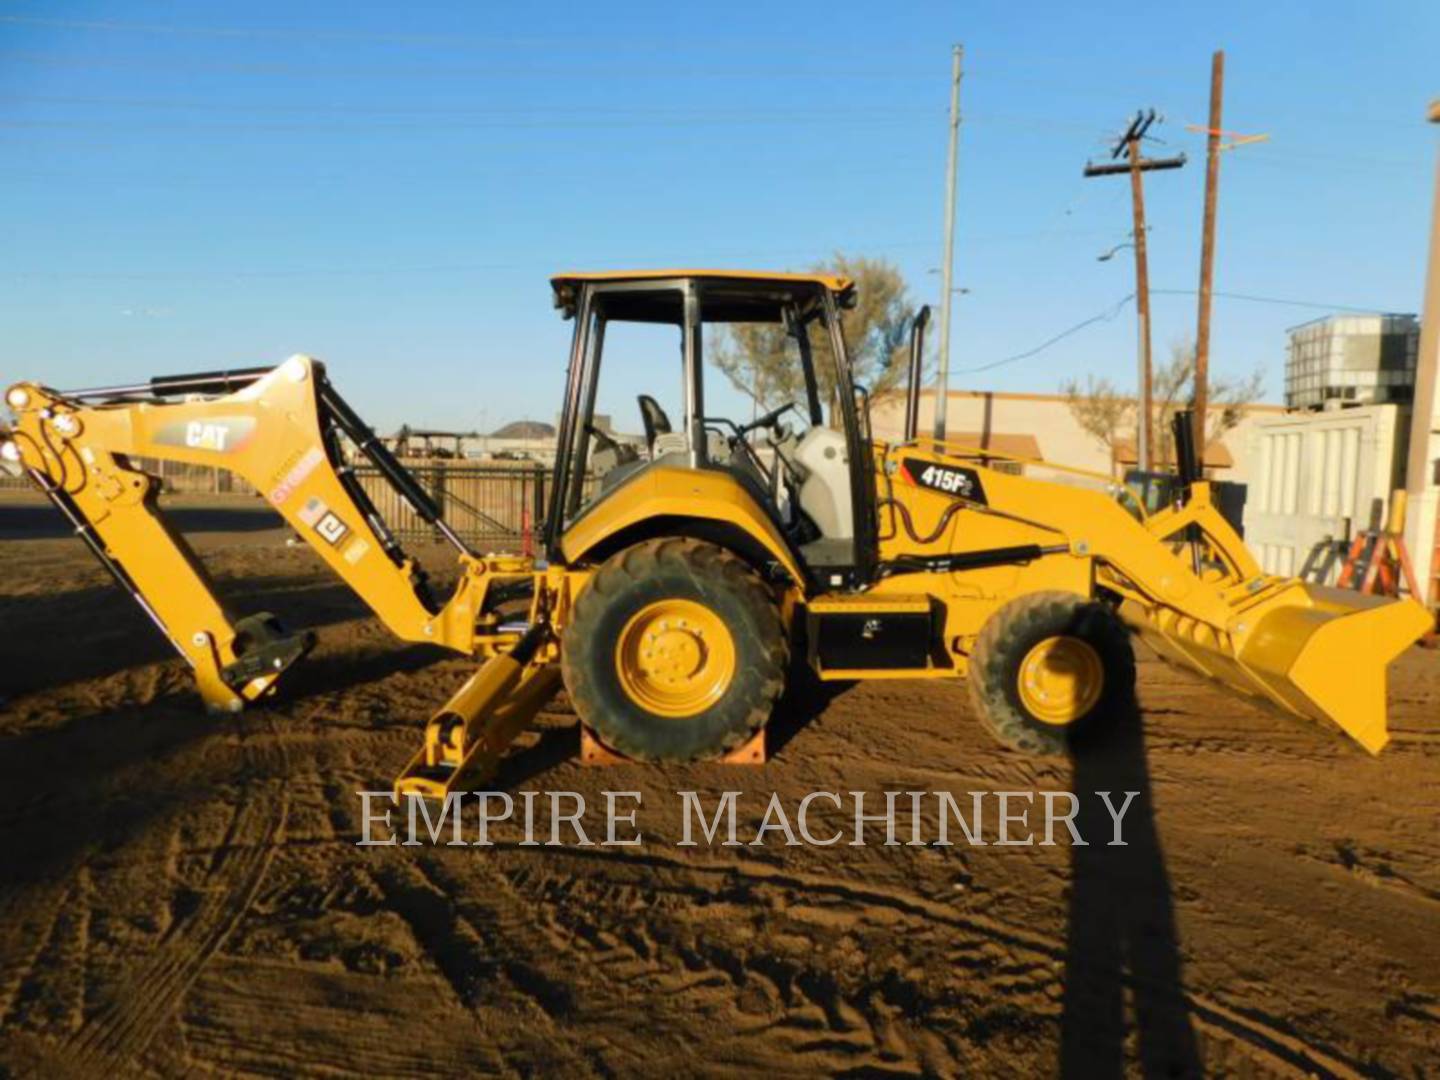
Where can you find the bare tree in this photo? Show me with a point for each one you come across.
(1108, 416)
(762, 362)
(1102, 411)
(1174, 389)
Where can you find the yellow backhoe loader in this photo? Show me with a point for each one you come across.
(677, 580)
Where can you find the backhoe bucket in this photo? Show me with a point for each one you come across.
(1312, 651)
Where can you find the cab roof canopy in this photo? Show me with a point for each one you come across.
(728, 295)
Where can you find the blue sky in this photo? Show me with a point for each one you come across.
(200, 185)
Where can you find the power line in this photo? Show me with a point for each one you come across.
(411, 71)
(1302, 161)
(302, 179)
(524, 112)
(1104, 316)
(533, 123)
(784, 114)
(340, 128)
(1283, 301)
(434, 269)
(1114, 309)
(294, 33)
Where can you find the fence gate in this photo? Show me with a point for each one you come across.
(492, 508)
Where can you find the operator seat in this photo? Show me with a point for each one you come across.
(824, 464)
(611, 459)
(653, 417)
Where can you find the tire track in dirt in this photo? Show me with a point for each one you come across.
(784, 988)
(479, 948)
(139, 1008)
(478, 953)
(1373, 868)
(28, 918)
(1265, 1038)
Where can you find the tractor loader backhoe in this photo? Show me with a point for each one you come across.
(677, 585)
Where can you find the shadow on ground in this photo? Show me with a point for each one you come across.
(1121, 933)
(41, 521)
(89, 633)
(805, 698)
(94, 782)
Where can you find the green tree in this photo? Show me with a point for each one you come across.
(762, 362)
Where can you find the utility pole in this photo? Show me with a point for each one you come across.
(942, 381)
(1422, 473)
(1129, 145)
(1144, 440)
(1207, 252)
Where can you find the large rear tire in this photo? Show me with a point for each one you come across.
(676, 651)
(1050, 669)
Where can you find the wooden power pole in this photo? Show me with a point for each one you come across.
(1135, 164)
(942, 379)
(1207, 250)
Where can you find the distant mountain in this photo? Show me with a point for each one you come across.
(524, 429)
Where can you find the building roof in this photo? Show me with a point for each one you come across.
(898, 394)
(1217, 455)
(1005, 443)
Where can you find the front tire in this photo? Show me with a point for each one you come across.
(676, 651)
(1051, 668)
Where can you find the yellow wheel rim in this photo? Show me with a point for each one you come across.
(675, 658)
(1061, 679)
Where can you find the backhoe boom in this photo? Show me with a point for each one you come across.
(281, 429)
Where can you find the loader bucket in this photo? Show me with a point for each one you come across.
(1311, 651)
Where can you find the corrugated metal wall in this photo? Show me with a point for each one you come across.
(1318, 479)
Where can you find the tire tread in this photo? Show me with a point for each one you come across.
(699, 561)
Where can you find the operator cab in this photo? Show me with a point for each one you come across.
(776, 338)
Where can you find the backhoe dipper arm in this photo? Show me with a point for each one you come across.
(278, 428)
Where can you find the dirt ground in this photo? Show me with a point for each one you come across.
(181, 894)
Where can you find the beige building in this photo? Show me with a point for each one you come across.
(1042, 426)
(1038, 426)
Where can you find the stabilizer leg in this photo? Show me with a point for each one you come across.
(470, 733)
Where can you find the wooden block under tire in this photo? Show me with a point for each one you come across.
(595, 752)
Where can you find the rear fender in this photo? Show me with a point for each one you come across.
(703, 503)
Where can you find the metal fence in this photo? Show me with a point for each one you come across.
(177, 477)
(493, 508)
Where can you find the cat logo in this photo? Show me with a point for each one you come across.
(222, 435)
(200, 436)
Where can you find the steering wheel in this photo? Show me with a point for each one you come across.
(768, 420)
